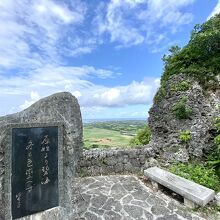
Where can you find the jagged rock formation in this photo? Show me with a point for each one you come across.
(183, 105)
(60, 107)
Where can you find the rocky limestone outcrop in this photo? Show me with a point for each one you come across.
(60, 107)
(201, 106)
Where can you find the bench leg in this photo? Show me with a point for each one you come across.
(189, 204)
(155, 185)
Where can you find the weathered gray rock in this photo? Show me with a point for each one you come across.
(60, 107)
(166, 127)
(150, 162)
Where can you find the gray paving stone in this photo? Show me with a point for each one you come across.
(99, 212)
(160, 210)
(127, 199)
(140, 194)
(142, 204)
(169, 217)
(112, 204)
(90, 216)
(95, 185)
(87, 181)
(129, 186)
(123, 198)
(111, 215)
(184, 214)
(134, 211)
(148, 215)
(117, 191)
(172, 206)
(99, 200)
(153, 200)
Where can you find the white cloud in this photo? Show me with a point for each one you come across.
(135, 22)
(36, 37)
(109, 97)
(134, 93)
(167, 12)
(215, 11)
(34, 97)
(111, 19)
(77, 94)
(32, 32)
(50, 79)
(48, 9)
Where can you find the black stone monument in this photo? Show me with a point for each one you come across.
(34, 180)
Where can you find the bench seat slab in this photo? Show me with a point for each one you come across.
(190, 190)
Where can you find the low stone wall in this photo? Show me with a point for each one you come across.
(113, 161)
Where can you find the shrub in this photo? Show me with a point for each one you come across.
(161, 93)
(182, 86)
(197, 173)
(181, 110)
(185, 136)
(142, 137)
(200, 58)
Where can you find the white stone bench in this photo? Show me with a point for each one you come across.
(193, 193)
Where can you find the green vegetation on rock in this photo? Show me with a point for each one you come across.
(181, 86)
(142, 137)
(161, 93)
(200, 58)
(206, 173)
(185, 136)
(182, 110)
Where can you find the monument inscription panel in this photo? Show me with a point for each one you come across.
(34, 181)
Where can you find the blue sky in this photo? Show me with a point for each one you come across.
(106, 53)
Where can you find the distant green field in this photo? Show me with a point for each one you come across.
(103, 138)
(110, 134)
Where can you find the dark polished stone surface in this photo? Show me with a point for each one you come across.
(34, 170)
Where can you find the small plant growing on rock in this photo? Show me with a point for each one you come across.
(185, 136)
(181, 110)
(182, 86)
(161, 93)
(142, 137)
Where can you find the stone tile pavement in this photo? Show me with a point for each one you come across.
(121, 197)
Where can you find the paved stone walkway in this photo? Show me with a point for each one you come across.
(124, 198)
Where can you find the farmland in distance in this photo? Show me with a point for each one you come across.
(115, 133)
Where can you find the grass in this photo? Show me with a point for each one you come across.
(104, 138)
